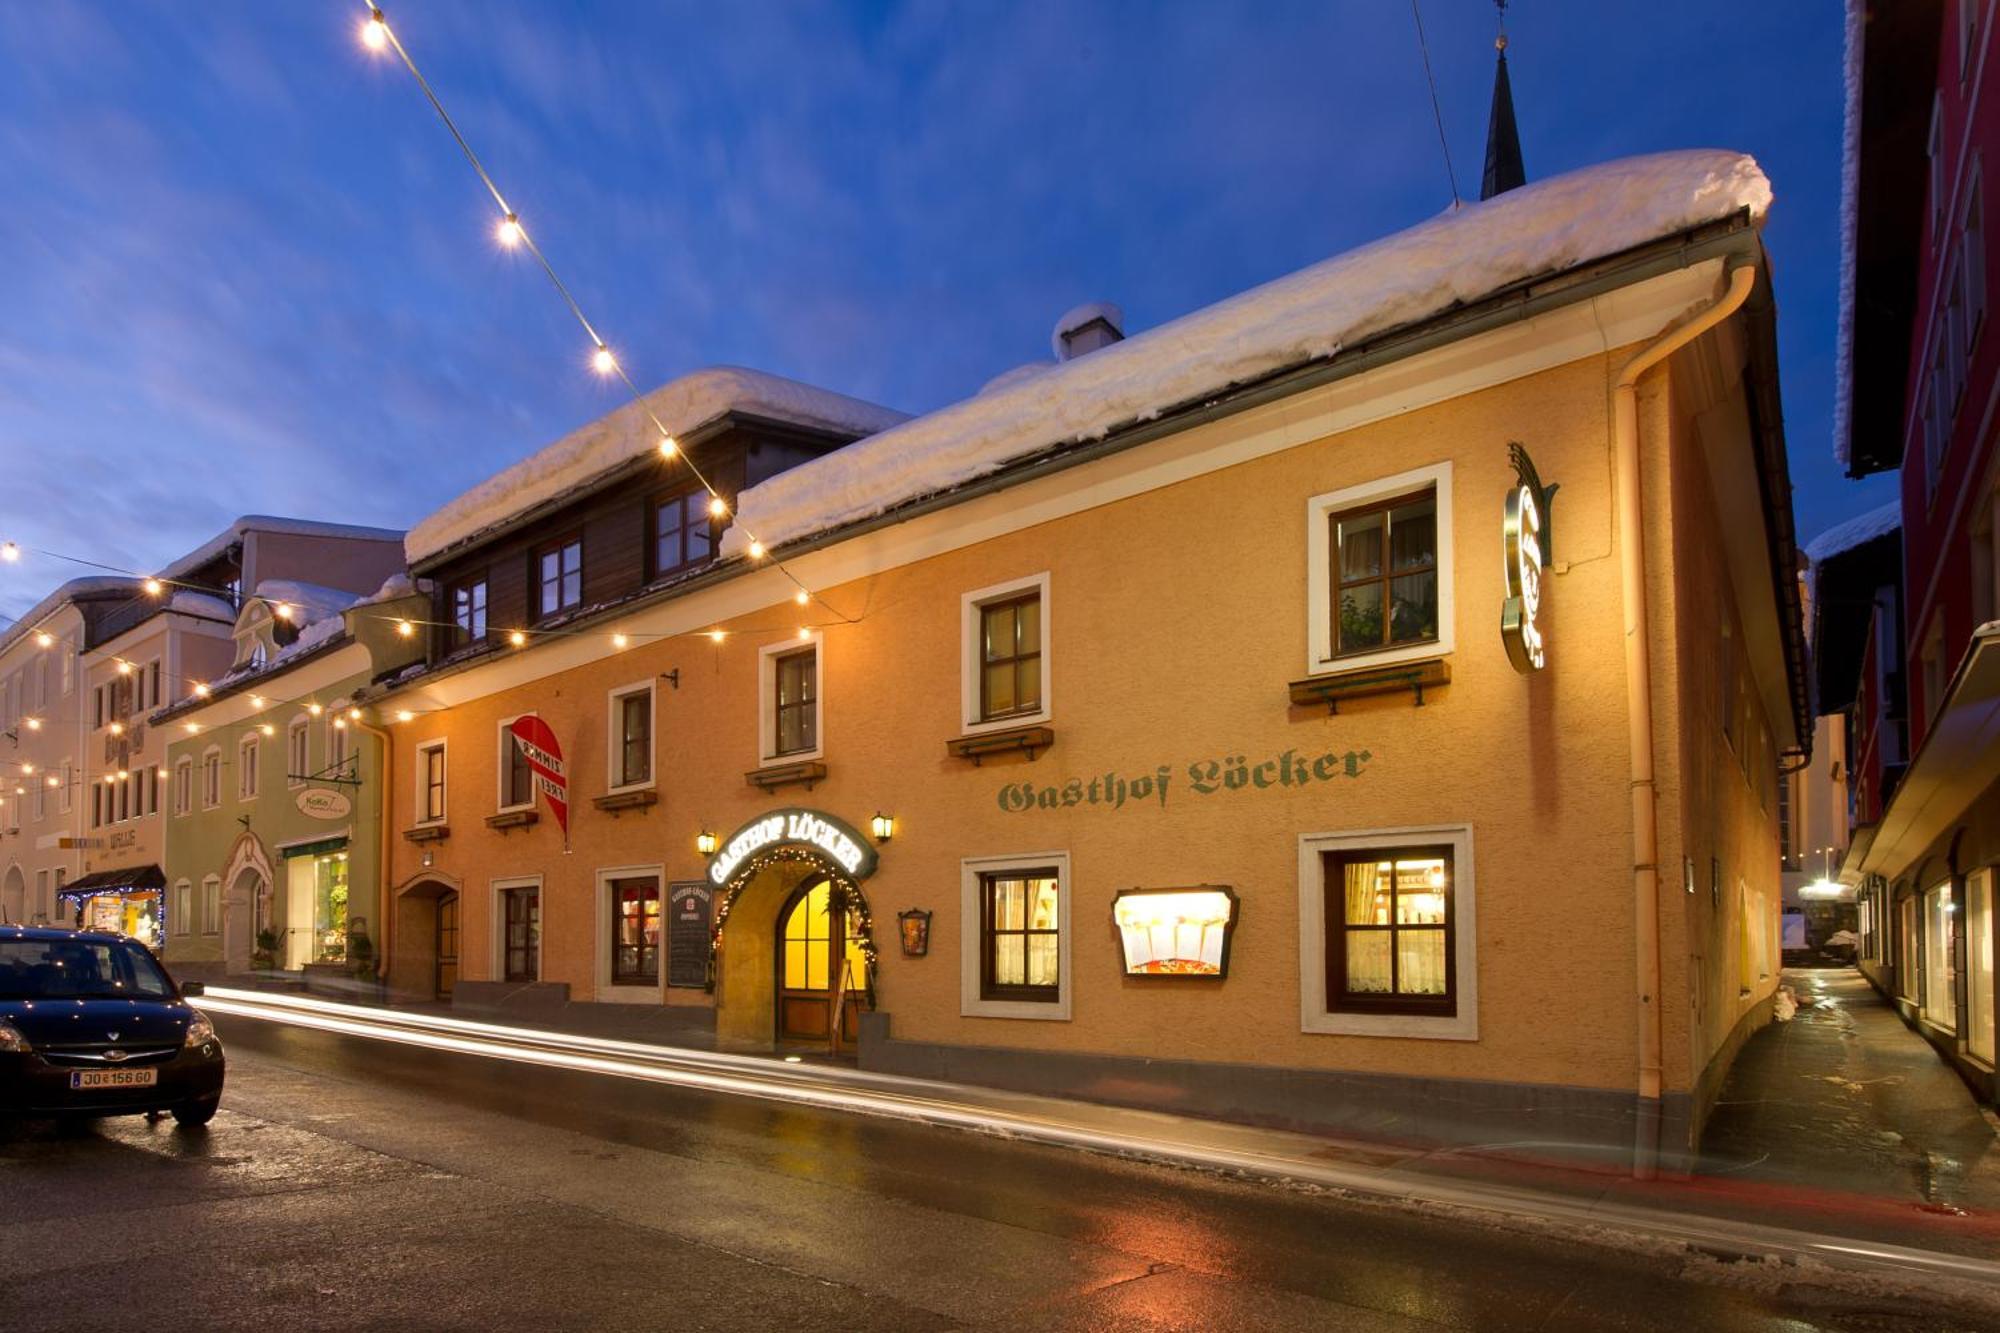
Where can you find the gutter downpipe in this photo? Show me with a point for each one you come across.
(1639, 699)
(385, 845)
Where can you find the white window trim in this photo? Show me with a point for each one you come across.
(211, 921)
(500, 888)
(299, 724)
(1320, 660)
(202, 773)
(971, 1004)
(972, 660)
(339, 741)
(503, 754)
(423, 820)
(614, 741)
(68, 782)
(1313, 1015)
(767, 705)
(249, 777)
(607, 992)
(183, 795)
(183, 909)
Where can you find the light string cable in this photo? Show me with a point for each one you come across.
(1437, 112)
(377, 35)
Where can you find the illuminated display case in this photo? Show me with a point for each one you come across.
(1183, 932)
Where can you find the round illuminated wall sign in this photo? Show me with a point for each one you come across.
(1520, 616)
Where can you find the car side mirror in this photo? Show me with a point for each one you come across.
(192, 990)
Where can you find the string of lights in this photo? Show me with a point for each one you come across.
(511, 232)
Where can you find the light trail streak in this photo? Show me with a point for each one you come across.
(1178, 1143)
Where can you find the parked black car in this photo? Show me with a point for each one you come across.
(92, 1025)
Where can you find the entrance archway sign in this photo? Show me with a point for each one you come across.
(795, 829)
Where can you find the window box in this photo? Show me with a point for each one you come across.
(1418, 676)
(619, 801)
(977, 746)
(774, 776)
(428, 833)
(513, 819)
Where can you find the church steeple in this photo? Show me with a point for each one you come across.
(1503, 140)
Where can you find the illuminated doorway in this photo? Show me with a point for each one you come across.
(822, 963)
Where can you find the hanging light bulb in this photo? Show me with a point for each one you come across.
(54, 781)
(669, 446)
(602, 361)
(314, 709)
(619, 641)
(509, 231)
(354, 714)
(124, 667)
(256, 701)
(44, 640)
(268, 729)
(405, 628)
(756, 549)
(118, 728)
(201, 692)
(28, 769)
(802, 597)
(375, 32)
(9, 552)
(340, 724)
(716, 635)
(153, 587)
(804, 633)
(716, 507)
(34, 724)
(193, 727)
(284, 610)
(517, 638)
(405, 715)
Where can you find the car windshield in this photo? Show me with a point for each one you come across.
(79, 969)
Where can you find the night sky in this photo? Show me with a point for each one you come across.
(244, 270)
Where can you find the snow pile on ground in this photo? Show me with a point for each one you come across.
(1458, 257)
(1785, 1005)
(1864, 528)
(584, 455)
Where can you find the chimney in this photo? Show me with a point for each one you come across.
(1090, 326)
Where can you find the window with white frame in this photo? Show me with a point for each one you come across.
(430, 782)
(211, 778)
(67, 653)
(1014, 950)
(183, 786)
(64, 797)
(247, 751)
(788, 677)
(517, 779)
(41, 799)
(629, 920)
(182, 922)
(298, 751)
(1006, 666)
(629, 747)
(211, 906)
(1387, 931)
(339, 748)
(1379, 571)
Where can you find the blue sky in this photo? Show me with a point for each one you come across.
(245, 271)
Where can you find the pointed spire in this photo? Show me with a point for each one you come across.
(1503, 140)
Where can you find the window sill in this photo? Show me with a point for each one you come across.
(773, 776)
(513, 819)
(1364, 681)
(1045, 1010)
(428, 833)
(978, 745)
(1429, 1027)
(636, 799)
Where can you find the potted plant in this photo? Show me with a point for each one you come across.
(264, 957)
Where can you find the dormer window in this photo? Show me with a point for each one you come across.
(559, 575)
(468, 610)
(683, 532)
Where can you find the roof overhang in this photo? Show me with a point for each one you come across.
(1959, 759)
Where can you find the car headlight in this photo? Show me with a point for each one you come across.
(11, 1039)
(200, 1031)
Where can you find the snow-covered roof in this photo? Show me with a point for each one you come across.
(1078, 316)
(1850, 217)
(67, 592)
(1458, 257)
(1863, 528)
(310, 603)
(297, 527)
(584, 455)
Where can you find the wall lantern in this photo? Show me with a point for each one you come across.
(915, 928)
(882, 826)
(1176, 932)
(706, 842)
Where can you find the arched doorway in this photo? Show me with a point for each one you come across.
(14, 897)
(418, 915)
(822, 961)
(246, 902)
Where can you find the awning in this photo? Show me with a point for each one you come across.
(1959, 759)
(132, 879)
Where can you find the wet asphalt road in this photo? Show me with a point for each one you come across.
(349, 1184)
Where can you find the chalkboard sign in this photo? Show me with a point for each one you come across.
(690, 907)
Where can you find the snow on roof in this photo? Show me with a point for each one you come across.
(248, 523)
(610, 441)
(26, 622)
(311, 603)
(206, 605)
(1864, 528)
(1850, 216)
(1078, 316)
(1541, 228)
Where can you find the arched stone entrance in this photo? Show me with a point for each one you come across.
(246, 901)
(425, 910)
(766, 872)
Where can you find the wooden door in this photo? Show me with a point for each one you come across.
(814, 944)
(447, 945)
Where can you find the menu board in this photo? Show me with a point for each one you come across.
(690, 908)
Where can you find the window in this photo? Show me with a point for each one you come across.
(1379, 571)
(1934, 150)
(635, 932)
(683, 532)
(1387, 934)
(153, 684)
(339, 748)
(1015, 952)
(211, 778)
(298, 761)
(68, 784)
(468, 610)
(631, 740)
(559, 576)
(67, 654)
(1979, 964)
(1940, 1002)
(796, 703)
(41, 800)
(430, 782)
(211, 906)
(154, 776)
(246, 768)
(183, 786)
(517, 780)
(521, 940)
(179, 913)
(1972, 257)
(1005, 654)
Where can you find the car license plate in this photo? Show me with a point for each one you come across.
(114, 1078)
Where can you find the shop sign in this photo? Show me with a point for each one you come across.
(1204, 778)
(1524, 549)
(809, 830)
(544, 755)
(324, 803)
(689, 907)
(1175, 932)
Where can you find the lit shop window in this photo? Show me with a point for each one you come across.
(1175, 932)
(1389, 931)
(1021, 936)
(635, 932)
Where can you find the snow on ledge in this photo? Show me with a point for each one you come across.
(612, 440)
(1852, 533)
(1455, 258)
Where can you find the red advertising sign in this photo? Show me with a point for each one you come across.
(544, 755)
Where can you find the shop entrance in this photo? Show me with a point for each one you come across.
(447, 945)
(821, 963)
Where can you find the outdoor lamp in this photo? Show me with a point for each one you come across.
(706, 843)
(882, 826)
